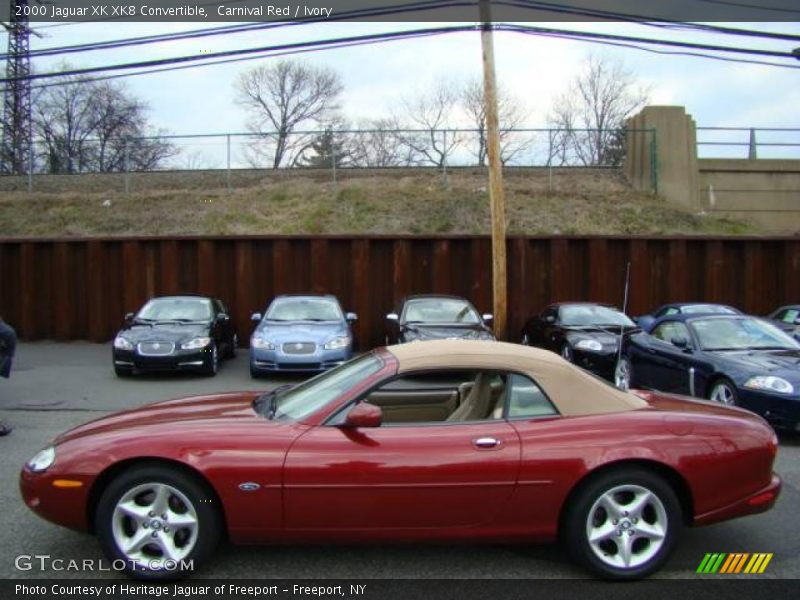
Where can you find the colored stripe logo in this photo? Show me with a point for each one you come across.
(735, 563)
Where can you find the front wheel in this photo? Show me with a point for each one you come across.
(623, 374)
(212, 362)
(724, 392)
(623, 524)
(157, 523)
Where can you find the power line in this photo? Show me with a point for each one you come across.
(239, 28)
(755, 6)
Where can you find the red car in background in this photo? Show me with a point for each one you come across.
(431, 441)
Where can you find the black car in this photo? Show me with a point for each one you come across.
(787, 319)
(584, 333)
(436, 317)
(175, 333)
(736, 360)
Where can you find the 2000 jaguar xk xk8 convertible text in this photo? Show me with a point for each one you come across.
(433, 441)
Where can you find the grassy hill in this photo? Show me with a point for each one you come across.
(569, 201)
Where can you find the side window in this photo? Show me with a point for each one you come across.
(549, 312)
(526, 399)
(441, 397)
(789, 316)
(671, 330)
(671, 311)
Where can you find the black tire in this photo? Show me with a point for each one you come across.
(198, 544)
(234, 345)
(212, 362)
(624, 363)
(122, 371)
(723, 390)
(606, 557)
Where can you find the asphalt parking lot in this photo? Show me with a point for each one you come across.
(57, 386)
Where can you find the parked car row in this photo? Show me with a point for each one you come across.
(700, 349)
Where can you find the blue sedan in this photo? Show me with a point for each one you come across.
(646, 322)
(307, 333)
(736, 360)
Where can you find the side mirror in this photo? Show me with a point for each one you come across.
(351, 317)
(222, 317)
(487, 317)
(364, 414)
(550, 319)
(392, 317)
(129, 317)
(680, 342)
(256, 317)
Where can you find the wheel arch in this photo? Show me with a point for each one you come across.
(712, 380)
(673, 478)
(111, 472)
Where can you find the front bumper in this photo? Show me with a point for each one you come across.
(273, 361)
(782, 412)
(65, 506)
(177, 360)
(602, 364)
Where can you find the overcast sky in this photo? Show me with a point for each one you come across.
(535, 69)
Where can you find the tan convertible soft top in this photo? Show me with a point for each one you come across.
(573, 391)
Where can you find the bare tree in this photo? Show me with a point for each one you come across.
(431, 113)
(591, 112)
(379, 145)
(88, 126)
(511, 114)
(284, 97)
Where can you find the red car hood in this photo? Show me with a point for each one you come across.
(221, 409)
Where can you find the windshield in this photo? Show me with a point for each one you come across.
(693, 309)
(311, 395)
(441, 310)
(176, 309)
(304, 309)
(740, 334)
(587, 314)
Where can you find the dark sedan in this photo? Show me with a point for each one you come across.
(436, 317)
(584, 333)
(736, 360)
(175, 333)
(646, 322)
(787, 319)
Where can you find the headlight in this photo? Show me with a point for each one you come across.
(261, 344)
(120, 343)
(769, 383)
(590, 345)
(339, 342)
(42, 460)
(200, 342)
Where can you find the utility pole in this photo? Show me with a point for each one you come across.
(496, 192)
(16, 142)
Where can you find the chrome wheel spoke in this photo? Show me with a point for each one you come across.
(612, 508)
(650, 531)
(181, 520)
(134, 544)
(161, 500)
(625, 549)
(605, 532)
(167, 545)
(135, 511)
(639, 503)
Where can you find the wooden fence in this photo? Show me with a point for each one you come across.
(80, 289)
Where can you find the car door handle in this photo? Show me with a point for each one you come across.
(486, 442)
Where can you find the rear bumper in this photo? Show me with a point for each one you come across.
(757, 502)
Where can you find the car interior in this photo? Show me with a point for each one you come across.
(459, 397)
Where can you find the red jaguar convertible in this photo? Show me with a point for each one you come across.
(432, 441)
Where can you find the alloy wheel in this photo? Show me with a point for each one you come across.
(627, 526)
(622, 375)
(154, 521)
(724, 394)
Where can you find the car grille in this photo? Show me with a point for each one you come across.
(299, 348)
(156, 348)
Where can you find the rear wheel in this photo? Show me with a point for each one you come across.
(623, 524)
(159, 522)
(724, 391)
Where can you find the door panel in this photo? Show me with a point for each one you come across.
(432, 475)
